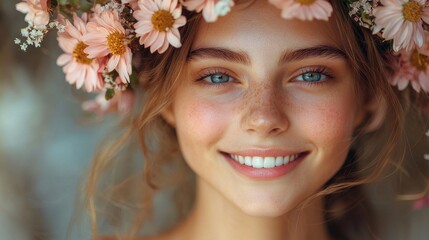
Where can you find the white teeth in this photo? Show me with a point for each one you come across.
(269, 162)
(264, 162)
(247, 161)
(241, 159)
(286, 160)
(279, 161)
(257, 162)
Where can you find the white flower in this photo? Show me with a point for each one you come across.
(402, 21)
(223, 7)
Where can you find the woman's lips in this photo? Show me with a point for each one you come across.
(264, 167)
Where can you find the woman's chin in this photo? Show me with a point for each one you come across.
(265, 210)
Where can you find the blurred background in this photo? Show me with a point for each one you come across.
(46, 141)
(46, 144)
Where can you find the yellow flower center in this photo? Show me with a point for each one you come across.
(115, 42)
(419, 61)
(162, 20)
(412, 11)
(79, 55)
(305, 2)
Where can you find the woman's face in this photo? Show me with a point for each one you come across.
(271, 93)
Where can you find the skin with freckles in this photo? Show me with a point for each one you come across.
(257, 83)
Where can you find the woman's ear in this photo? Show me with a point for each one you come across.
(168, 115)
(376, 111)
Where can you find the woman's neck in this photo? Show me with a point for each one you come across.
(215, 218)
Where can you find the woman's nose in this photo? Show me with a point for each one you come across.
(264, 113)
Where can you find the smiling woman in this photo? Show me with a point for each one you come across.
(264, 108)
(266, 122)
(273, 115)
(274, 118)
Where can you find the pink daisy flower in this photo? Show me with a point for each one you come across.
(304, 9)
(402, 21)
(211, 9)
(157, 24)
(405, 73)
(36, 12)
(413, 68)
(78, 67)
(105, 36)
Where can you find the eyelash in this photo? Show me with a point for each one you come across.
(314, 69)
(211, 72)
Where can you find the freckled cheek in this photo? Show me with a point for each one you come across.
(328, 127)
(330, 122)
(200, 121)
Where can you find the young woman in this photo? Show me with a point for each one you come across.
(279, 119)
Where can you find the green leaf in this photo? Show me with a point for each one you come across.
(134, 80)
(110, 93)
(86, 6)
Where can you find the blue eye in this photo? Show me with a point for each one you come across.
(311, 77)
(217, 78)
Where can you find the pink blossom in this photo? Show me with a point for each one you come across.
(211, 9)
(105, 37)
(122, 102)
(421, 203)
(412, 68)
(304, 9)
(405, 72)
(402, 21)
(157, 24)
(78, 67)
(36, 12)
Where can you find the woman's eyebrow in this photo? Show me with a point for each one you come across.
(288, 56)
(316, 51)
(221, 53)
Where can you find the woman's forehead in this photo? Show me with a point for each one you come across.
(260, 25)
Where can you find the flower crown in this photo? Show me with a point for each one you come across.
(97, 54)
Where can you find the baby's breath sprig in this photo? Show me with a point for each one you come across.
(111, 84)
(362, 12)
(34, 35)
(112, 5)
